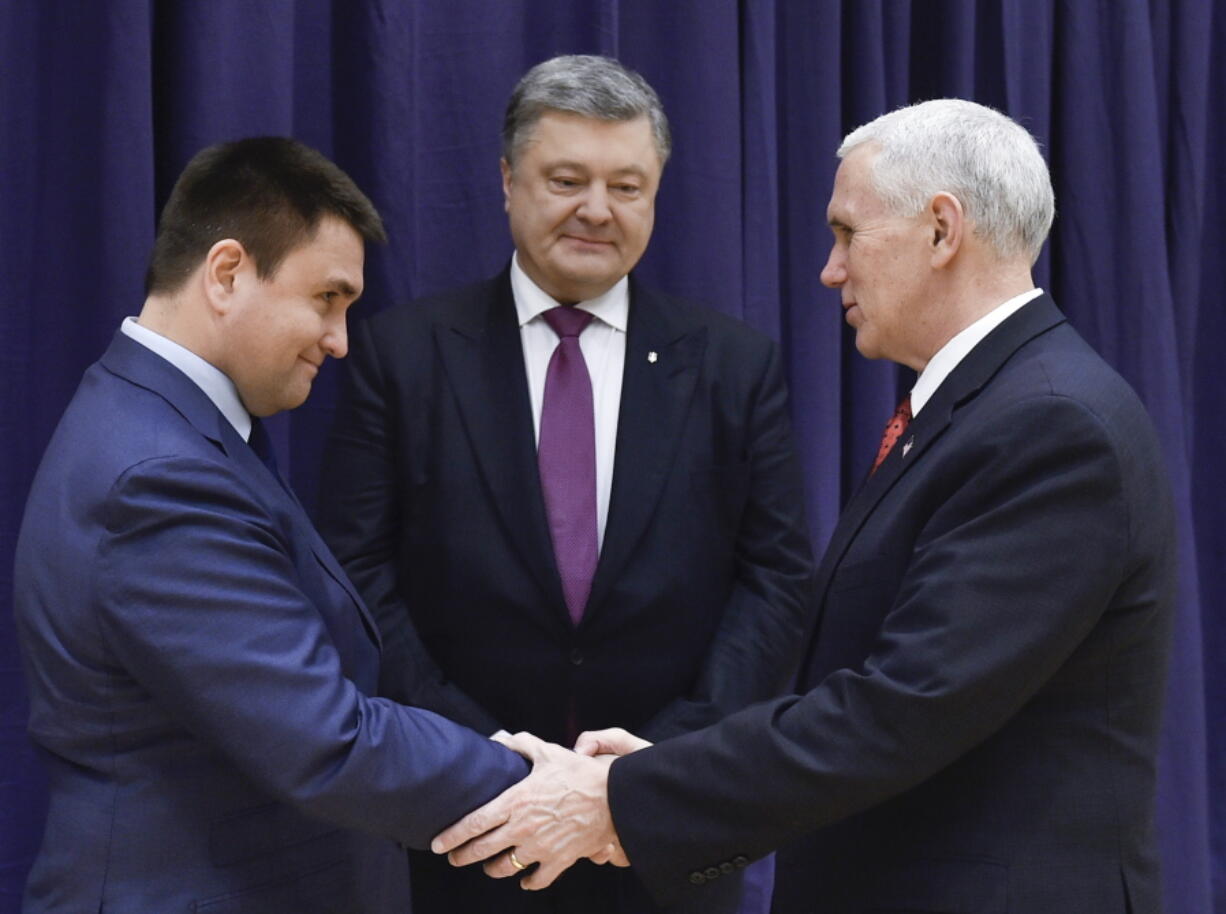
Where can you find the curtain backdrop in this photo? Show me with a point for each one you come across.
(103, 101)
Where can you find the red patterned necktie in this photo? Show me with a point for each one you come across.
(566, 458)
(893, 431)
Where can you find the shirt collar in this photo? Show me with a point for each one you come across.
(613, 307)
(953, 352)
(212, 380)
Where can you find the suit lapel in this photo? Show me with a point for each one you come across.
(482, 354)
(278, 489)
(656, 393)
(963, 384)
(142, 367)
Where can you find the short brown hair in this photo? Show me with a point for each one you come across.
(268, 193)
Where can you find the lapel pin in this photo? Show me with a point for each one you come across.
(652, 357)
(907, 447)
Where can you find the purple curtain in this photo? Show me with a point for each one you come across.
(101, 104)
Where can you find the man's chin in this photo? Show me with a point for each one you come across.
(295, 400)
(580, 284)
(288, 399)
(866, 347)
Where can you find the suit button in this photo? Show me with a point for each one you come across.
(576, 657)
(697, 878)
(711, 872)
(727, 868)
(741, 861)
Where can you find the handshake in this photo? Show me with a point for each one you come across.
(550, 819)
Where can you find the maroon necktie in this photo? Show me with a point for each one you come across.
(893, 431)
(566, 457)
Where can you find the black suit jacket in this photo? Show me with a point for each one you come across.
(986, 675)
(431, 498)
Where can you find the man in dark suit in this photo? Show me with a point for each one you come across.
(200, 668)
(986, 676)
(634, 555)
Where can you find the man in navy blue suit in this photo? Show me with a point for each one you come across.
(984, 684)
(675, 590)
(200, 668)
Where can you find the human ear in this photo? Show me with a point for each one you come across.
(948, 223)
(505, 167)
(222, 265)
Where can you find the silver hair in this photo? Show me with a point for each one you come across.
(584, 84)
(985, 159)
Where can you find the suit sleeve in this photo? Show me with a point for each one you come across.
(360, 505)
(1011, 571)
(201, 603)
(754, 653)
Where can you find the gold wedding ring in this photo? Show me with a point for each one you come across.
(515, 862)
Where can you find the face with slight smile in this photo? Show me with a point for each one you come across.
(581, 200)
(880, 262)
(279, 330)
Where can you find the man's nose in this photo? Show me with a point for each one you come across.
(336, 340)
(595, 205)
(834, 273)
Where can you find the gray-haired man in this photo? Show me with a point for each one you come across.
(571, 501)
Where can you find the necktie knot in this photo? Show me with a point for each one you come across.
(567, 320)
(261, 443)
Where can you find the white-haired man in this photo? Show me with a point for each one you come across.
(985, 679)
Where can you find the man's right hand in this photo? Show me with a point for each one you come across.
(613, 741)
(555, 816)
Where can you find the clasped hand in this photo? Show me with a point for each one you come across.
(553, 817)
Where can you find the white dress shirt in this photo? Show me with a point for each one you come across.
(603, 343)
(958, 348)
(216, 386)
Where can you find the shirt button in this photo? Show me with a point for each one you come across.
(576, 657)
(711, 872)
(697, 878)
(726, 868)
(741, 860)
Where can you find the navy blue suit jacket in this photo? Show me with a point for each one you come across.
(985, 680)
(431, 498)
(200, 671)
